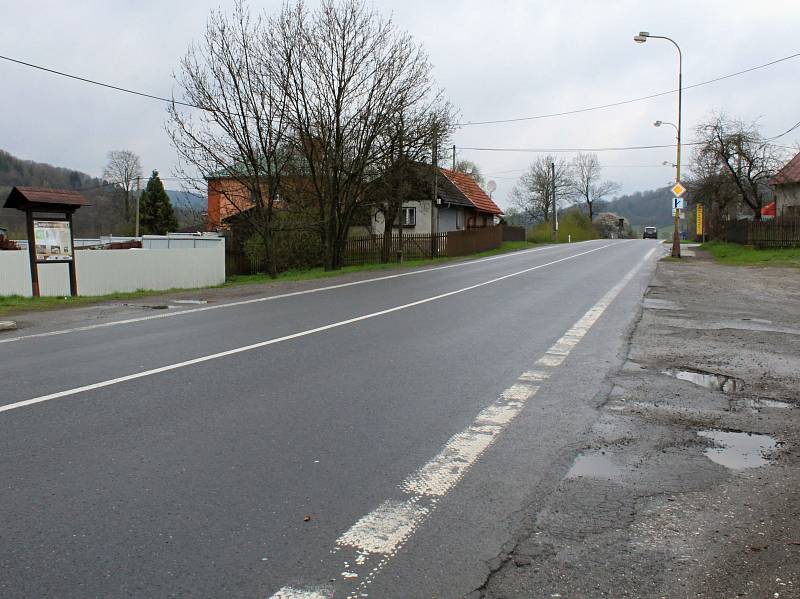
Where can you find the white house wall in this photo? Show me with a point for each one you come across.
(423, 219)
(786, 195)
(100, 272)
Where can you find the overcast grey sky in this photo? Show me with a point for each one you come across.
(496, 60)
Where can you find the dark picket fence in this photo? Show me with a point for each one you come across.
(774, 233)
(417, 246)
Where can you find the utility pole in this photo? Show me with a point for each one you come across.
(138, 198)
(554, 235)
(435, 187)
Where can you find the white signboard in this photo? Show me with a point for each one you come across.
(681, 213)
(678, 203)
(53, 240)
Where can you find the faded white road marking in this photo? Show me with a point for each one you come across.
(270, 298)
(387, 528)
(384, 529)
(290, 593)
(246, 348)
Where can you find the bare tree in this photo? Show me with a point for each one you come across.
(346, 70)
(533, 193)
(406, 144)
(240, 141)
(472, 169)
(122, 170)
(589, 186)
(741, 155)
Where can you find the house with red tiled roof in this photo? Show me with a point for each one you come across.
(460, 204)
(786, 184)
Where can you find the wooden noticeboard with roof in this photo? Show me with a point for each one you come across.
(48, 214)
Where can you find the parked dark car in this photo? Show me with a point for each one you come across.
(650, 233)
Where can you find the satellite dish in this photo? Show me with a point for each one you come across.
(491, 186)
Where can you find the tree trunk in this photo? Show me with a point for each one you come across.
(591, 213)
(388, 231)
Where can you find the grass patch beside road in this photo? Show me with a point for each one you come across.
(11, 304)
(320, 273)
(735, 254)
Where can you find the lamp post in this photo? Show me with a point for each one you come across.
(640, 39)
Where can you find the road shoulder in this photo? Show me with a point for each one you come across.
(644, 511)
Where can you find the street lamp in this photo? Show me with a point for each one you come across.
(640, 39)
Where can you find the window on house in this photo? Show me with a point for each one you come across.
(459, 219)
(409, 217)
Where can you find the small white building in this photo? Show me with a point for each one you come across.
(461, 204)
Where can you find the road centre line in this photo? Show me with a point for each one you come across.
(377, 537)
(269, 298)
(239, 350)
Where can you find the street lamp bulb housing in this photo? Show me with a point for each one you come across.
(640, 39)
(658, 123)
(644, 34)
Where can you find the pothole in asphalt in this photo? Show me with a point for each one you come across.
(709, 380)
(738, 451)
(594, 464)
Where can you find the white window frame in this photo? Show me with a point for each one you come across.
(408, 216)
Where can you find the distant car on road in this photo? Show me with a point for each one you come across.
(650, 233)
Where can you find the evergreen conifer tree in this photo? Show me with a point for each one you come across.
(156, 216)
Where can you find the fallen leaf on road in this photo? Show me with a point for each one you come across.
(306, 518)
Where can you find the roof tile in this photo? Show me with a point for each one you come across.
(790, 173)
(470, 188)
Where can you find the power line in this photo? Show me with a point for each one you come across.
(559, 150)
(100, 83)
(499, 121)
(630, 101)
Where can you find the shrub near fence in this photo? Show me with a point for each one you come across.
(776, 233)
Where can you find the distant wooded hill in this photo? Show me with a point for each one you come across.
(103, 217)
(642, 208)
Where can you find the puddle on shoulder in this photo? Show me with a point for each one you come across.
(709, 380)
(738, 451)
(594, 464)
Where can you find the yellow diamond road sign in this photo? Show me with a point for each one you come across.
(678, 190)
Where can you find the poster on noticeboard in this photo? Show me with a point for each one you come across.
(53, 240)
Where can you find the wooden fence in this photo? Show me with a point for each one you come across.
(774, 233)
(366, 249)
(514, 233)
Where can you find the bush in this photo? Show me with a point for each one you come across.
(572, 224)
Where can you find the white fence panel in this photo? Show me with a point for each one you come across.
(101, 272)
(15, 273)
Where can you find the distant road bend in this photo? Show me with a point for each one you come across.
(368, 438)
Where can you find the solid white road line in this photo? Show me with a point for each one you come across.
(239, 350)
(270, 298)
(382, 532)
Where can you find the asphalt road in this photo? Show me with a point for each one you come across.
(242, 450)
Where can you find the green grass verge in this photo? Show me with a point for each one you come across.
(17, 303)
(320, 273)
(10, 304)
(571, 226)
(735, 254)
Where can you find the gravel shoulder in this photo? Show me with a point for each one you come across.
(689, 483)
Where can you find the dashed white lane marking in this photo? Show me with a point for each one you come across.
(239, 350)
(379, 535)
(270, 298)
